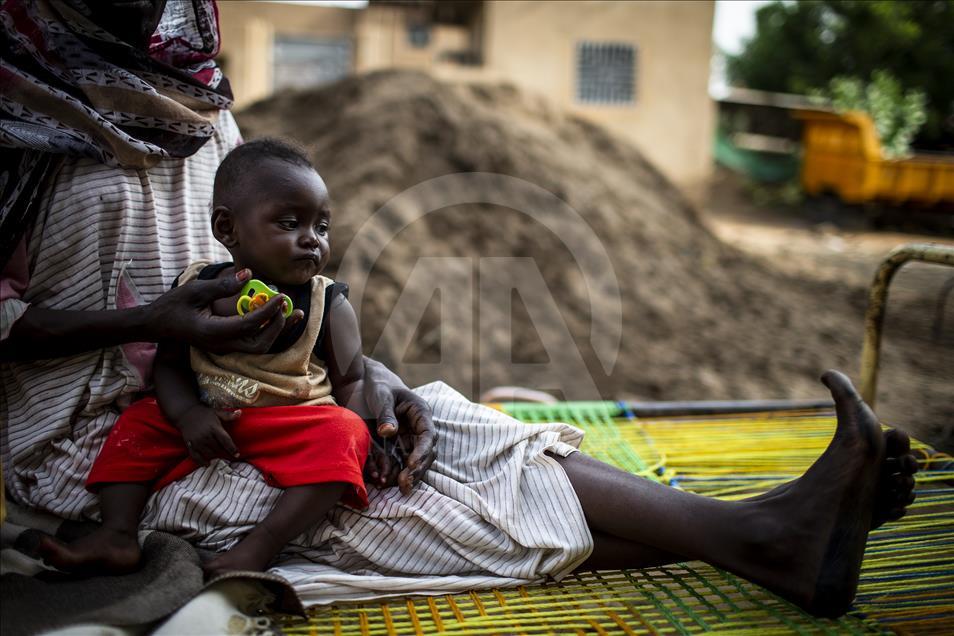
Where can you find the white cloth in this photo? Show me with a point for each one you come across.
(494, 510)
(105, 238)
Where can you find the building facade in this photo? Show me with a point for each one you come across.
(641, 69)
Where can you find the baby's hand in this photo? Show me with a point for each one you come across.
(205, 437)
(381, 470)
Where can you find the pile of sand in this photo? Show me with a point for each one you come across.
(700, 319)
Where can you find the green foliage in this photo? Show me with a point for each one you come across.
(897, 114)
(799, 47)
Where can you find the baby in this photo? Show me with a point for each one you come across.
(277, 411)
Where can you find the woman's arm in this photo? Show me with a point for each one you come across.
(182, 314)
(379, 396)
(52, 333)
(359, 383)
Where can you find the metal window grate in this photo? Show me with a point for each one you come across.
(605, 73)
(419, 35)
(300, 62)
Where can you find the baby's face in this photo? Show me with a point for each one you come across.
(283, 227)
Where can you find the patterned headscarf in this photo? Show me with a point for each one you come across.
(70, 88)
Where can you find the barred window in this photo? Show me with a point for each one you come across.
(605, 73)
(300, 62)
(418, 35)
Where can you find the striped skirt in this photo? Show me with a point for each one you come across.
(493, 510)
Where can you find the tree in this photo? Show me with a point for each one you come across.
(897, 115)
(799, 47)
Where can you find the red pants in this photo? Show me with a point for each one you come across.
(290, 445)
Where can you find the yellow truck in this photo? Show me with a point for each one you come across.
(841, 153)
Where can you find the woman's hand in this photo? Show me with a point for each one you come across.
(205, 437)
(404, 422)
(185, 314)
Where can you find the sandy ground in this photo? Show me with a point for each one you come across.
(845, 252)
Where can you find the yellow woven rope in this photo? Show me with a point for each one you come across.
(907, 579)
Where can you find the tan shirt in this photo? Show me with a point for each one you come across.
(294, 376)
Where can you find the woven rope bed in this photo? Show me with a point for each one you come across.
(907, 581)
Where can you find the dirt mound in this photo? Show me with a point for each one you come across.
(699, 318)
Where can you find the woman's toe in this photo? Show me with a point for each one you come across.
(896, 442)
(908, 464)
(906, 482)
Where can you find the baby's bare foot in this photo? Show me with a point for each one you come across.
(103, 551)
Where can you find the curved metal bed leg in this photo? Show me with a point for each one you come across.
(938, 325)
(877, 299)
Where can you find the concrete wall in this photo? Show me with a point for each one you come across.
(672, 118)
(378, 34)
(383, 41)
(248, 30)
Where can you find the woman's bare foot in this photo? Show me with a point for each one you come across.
(252, 554)
(896, 482)
(895, 491)
(103, 551)
(810, 538)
